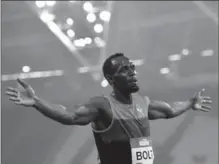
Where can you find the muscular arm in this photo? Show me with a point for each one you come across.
(161, 109)
(83, 114)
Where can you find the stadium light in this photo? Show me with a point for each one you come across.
(91, 17)
(104, 83)
(83, 69)
(185, 52)
(69, 21)
(98, 28)
(105, 16)
(164, 70)
(138, 62)
(87, 6)
(46, 16)
(70, 33)
(50, 3)
(174, 57)
(99, 42)
(205, 53)
(87, 40)
(79, 43)
(26, 69)
(40, 4)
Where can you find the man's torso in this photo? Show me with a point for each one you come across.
(117, 124)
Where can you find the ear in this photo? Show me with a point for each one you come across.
(109, 79)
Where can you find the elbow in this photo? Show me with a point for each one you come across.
(169, 111)
(74, 122)
(170, 114)
(64, 122)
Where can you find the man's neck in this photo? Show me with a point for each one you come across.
(123, 97)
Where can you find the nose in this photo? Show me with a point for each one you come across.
(133, 74)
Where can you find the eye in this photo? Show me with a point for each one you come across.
(132, 66)
(123, 69)
(127, 68)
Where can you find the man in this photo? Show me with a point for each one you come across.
(120, 121)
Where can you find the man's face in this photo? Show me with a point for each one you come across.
(124, 77)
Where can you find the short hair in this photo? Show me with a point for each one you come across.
(107, 65)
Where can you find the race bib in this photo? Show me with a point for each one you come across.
(142, 151)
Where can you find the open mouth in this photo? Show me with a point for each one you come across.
(133, 81)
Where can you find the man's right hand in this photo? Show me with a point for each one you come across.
(83, 115)
(22, 96)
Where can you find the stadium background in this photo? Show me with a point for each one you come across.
(173, 44)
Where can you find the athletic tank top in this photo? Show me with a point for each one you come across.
(128, 121)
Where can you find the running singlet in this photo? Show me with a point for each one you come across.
(127, 139)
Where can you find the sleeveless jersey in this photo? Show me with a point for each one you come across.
(128, 121)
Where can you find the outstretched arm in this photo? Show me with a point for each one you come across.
(83, 115)
(161, 109)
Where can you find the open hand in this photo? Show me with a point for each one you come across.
(201, 102)
(23, 96)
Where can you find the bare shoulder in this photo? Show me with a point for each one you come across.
(100, 102)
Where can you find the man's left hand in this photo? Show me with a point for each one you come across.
(201, 102)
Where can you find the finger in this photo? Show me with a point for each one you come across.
(206, 107)
(204, 110)
(206, 101)
(206, 98)
(22, 83)
(18, 102)
(201, 92)
(14, 99)
(11, 94)
(12, 89)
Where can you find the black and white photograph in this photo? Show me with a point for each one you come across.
(109, 82)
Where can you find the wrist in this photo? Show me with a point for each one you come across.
(35, 99)
(192, 103)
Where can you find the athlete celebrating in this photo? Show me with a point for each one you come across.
(120, 121)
